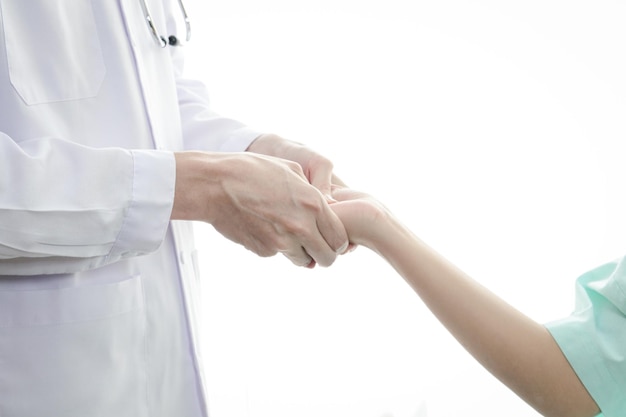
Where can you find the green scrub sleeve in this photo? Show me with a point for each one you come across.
(593, 337)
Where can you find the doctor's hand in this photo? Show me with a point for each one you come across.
(317, 169)
(264, 203)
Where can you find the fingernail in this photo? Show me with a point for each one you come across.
(343, 248)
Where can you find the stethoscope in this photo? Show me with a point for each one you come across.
(171, 40)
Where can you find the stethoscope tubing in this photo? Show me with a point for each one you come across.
(161, 40)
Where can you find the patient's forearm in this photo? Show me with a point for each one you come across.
(515, 349)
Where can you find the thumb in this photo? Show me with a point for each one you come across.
(345, 194)
(321, 178)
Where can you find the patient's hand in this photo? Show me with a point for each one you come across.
(364, 217)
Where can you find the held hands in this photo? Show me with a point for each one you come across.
(280, 196)
(266, 203)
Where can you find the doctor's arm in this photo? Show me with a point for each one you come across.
(65, 207)
(518, 351)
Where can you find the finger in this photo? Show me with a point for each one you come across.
(331, 239)
(299, 257)
(321, 177)
(340, 195)
(335, 180)
(351, 248)
(345, 194)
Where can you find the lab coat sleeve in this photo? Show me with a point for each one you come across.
(65, 207)
(204, 129)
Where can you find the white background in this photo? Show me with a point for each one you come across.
(494, 129)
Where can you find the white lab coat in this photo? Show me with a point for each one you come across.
(97, 286)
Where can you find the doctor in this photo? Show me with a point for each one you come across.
(105, 152)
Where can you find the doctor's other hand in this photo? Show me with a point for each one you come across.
(317, 169)
(262, 202)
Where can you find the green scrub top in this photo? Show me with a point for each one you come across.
(593, 338)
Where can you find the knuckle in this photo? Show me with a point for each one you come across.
(299, 230)
(321, 160)
(326, 261)
(294, 166)
(283, 244)
(259, 248)
(299, 260)
(293, 226)
(313, 203)
(266, 252)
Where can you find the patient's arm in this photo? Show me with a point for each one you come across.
(518, 351)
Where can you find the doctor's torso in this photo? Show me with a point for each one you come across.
(116, 339)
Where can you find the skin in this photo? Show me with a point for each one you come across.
(271, 199)
(518, 351)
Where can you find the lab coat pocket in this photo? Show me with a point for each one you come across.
(52, 48)
(73, 352)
